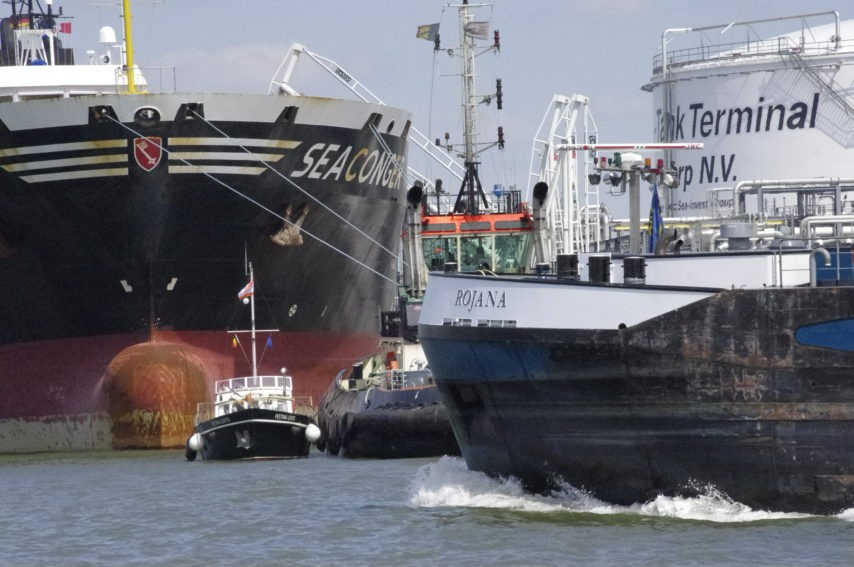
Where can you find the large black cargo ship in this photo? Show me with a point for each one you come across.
(126, 218)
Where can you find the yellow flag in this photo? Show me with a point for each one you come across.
(427, 32)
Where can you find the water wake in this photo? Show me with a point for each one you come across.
(449, 483)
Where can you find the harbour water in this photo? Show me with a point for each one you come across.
(154, 508)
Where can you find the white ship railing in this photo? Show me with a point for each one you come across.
(262, 392)
(281, 83)
(277, 383)
(300, 405)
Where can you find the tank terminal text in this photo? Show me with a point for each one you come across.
(698, 123)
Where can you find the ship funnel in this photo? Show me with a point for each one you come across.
(107, 35)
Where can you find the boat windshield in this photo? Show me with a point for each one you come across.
(500, 253)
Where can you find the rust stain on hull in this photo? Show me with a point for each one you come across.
(152, 390)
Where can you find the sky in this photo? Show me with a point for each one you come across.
(602, 49)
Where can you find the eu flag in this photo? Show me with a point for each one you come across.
(656, 224)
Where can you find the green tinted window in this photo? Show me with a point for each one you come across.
(439, 251)
(476, 253)
(512, 252)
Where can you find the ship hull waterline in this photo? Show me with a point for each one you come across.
(374, 423)
(687, 400)
(254, 434)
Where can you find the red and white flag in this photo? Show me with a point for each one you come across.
(248, 289)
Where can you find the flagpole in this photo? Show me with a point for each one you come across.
(252, 312)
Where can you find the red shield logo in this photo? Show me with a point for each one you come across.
(147, 152)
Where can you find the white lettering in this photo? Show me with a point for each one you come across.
(324, 159)
(338, 166)
(308, 160)
(330, 161)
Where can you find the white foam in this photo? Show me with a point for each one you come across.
(449, 483)
(847, 515)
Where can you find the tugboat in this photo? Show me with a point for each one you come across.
(253, 417)
(387, 405)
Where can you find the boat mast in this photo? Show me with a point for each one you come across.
(129, 51)
(467, 200)
(252, 316)
(26, 8)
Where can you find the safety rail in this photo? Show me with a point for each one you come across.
(739, 51)
(159, 80)
(830, 263)
(402, 379)
(349, 80)
(301, 405)
(281, 383)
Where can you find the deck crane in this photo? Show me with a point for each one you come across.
(281, 83)
(570, 217)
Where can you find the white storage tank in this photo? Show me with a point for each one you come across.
(774, 108)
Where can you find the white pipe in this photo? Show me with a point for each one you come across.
(808, 222)
(826, 255)
(781, 185)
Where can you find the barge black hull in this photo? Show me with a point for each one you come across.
(750, 391)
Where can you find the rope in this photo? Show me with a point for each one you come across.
(257, 204)
(242, 350)
(264, 351)
(303, 191)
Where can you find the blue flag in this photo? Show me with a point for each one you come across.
(656, 224)
(269, 342)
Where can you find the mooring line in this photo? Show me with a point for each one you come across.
(397, 167)
(253, 201)
(303, 191)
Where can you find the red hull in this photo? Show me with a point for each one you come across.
(120, 391)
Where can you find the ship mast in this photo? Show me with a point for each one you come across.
(247, 296)
(471, 193)
(128, 62)
(252, 319)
